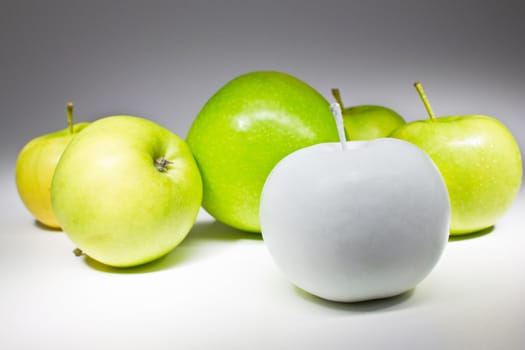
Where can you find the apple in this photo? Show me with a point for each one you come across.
(479, 160)
(368, 122)
(243, 130)
(36, 165)
(357, 220)
(126, 191)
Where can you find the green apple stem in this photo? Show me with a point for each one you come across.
(69, 111)
(338, 116)
(337, 95)
(424, 98)
(78, 252)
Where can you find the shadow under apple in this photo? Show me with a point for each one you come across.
(41, 226)
(204, 239)
(472, 235)
(216, 231)
(381, 304)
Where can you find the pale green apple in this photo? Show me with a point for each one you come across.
(126, 191)
(480, 162)
(36, 165)
(243, 130)
(368, 122)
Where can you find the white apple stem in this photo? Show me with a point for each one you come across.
(338, 116)
(69, 111)
(424, 98)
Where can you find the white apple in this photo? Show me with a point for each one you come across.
(126, 191)
(354, 221)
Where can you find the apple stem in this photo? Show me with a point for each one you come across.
(69, 111)
(424, 98)
(78, 252)
(338, 116)
(162, 164)
(337, 95)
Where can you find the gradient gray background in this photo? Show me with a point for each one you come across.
(163, 59)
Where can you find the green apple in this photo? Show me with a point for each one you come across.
(480, 162)
(368, 122)
(126, 191)
(243, 130)
(36, 165)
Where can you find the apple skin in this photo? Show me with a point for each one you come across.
(367, 222)
(34, 171)
(480, 162)
(244, 130)
(368, 122)
(112, 200)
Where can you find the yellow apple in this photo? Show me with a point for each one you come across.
(126, 191)
(36, 165)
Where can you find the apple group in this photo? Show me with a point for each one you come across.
(344, 220)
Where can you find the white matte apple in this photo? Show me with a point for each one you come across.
(354, 221)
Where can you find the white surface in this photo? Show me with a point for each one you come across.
(221, 290)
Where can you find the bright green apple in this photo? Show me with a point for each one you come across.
(368, 122)
(479, 160)
(243, 130)
(126, 191)
(36, 165)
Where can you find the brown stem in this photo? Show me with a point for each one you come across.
(338, 99)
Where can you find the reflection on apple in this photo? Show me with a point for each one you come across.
(126, 191)
(355, 220)
(479, 160)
